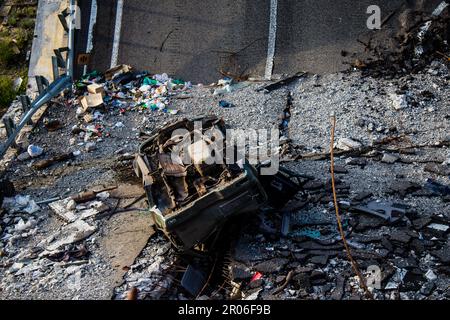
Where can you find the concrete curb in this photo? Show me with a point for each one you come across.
(48, 35)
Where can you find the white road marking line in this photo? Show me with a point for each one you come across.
(117, 31)
(74, 15)
(92, 22)
(272, 39)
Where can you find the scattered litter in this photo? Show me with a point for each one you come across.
(119, 125)
(87, 196)
(35, 151)
(73, 253)
(347, 144)
(96, 88)
(225, 87)
(91, 101)
(389, 158)
(20, 204)
(22, 226)
(17, 84)
(439, 227)
(70, 234)
(103, 195)
(399, 102)
(430, 275)
(44, 164)
(397, 279)
(222, 223)
(224, 104)
(257, 276)
(67, 209)
(254, 296)
(193, 281)
(90, 147)
(117, 71)
(388, 211)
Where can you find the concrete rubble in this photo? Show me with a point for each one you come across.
(59, 233)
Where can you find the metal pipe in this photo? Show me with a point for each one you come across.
(52, 91)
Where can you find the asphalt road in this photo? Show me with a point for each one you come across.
(313, 33)
(201, 40)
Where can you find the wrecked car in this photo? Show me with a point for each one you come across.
(190, 203)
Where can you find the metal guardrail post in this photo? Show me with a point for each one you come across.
(69, 27)
(39, 84)
(55, 68)
(26, 106)
(59, 57)
(10, 128)
(42, 83)
(62, 18)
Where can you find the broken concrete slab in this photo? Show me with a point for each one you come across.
(421, 223)
(125, 239)
(271, 266)
(403, 187)
(398, 101)
(347, 144)
(443, 254)
(389, 158)
(442, 170)
(400, 236)
(66, 210)
(69, 234)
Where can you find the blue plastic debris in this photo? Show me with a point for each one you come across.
(225, 104)
(437, 188)
(308, 233)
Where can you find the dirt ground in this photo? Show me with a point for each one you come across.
(392, 140)
(124, 251)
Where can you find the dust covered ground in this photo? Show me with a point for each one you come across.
(399, 135)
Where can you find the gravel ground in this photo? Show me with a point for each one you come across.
(365, 113)
(364, 109)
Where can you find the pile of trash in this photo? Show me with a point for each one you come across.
(19, 221)
(124, 90)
